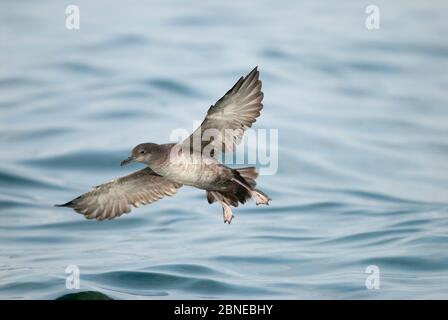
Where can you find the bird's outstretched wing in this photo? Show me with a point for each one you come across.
(226, 121)
(112, 199)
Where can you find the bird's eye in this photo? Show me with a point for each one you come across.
(142, 151)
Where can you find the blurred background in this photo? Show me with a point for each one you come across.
(362, 118)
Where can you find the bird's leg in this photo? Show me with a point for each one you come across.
(226, 209)
(227, 212)
(257, 195)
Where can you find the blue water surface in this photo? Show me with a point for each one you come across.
(362, 120)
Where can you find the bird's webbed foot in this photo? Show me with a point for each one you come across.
(226, 209)
(260, 197)
(227, 213)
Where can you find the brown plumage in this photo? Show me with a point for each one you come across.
(172, 165)
(112, 199)
(237, 110)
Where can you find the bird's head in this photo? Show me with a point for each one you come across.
(142, 153)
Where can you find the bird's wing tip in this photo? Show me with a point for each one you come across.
(63, 204)
(254, 73)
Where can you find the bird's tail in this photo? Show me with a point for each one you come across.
(243, 188)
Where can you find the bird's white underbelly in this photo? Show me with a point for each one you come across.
(195, 170)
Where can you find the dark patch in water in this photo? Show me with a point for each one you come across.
(85, 160)
(172, 86)
(83, 68)
(9, 179)
(150, 281)
(85, 295)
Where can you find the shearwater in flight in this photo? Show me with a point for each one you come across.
(192, 162)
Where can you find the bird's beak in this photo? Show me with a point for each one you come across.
(126, 161)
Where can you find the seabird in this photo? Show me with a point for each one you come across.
(191, 162)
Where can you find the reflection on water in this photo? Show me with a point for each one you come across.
(362, 123)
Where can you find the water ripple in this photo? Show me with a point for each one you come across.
(155, 281)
